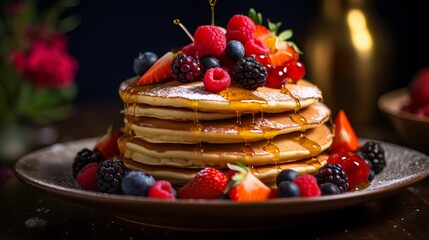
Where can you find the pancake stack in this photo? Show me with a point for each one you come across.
(174, 129)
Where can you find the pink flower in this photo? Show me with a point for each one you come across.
(47, 63)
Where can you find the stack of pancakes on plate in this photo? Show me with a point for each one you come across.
(174, 129)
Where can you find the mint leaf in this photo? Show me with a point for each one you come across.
(286, 34)
(255, 16)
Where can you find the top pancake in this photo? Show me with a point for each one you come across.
(233, 99)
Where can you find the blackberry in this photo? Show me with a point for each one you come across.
(249, 73)
(335, 174)
(186, 68)
(373, 152)
(109, 176)
(83, 157)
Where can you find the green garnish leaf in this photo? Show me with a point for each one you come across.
(286, 34)
(274, 27)
(295, 47)
(255, 16)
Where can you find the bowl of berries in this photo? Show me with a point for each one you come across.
(408, 110)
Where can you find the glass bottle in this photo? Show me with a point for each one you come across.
(347, 54)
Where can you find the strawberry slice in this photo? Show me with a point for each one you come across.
(280, 51)
(246, 187)
(108, 143)
(160, 70)
(208, 183)
(345, 138)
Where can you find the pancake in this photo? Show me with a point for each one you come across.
(267, 173)
(283, 148)
(233, 99)
(252, 127)
(172, 113)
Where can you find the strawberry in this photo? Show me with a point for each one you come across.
(246, 187)
(281, 51)
(419, 88)
(344, 135)
(208, 183)
(108, 143)
(160, 71)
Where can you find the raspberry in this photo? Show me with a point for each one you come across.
(255, 47)
(423, 111)
(250, 74)
(109, 176)
(374, 153)
(185, 68)
(335, 174)
(240, 28)
(189, 49)
(209, 41)
(87, 178)
(419, 88)
(216, 80)
(307, 185)
(162, 189)
(83, 157)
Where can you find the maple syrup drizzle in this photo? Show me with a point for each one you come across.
(286, 91)
(310, 145)
(315, 163)
(248, 153)
(275, 151)
(242, 99)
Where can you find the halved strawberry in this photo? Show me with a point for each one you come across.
(280, 51)
(209, 183)
(246, 187)
(108, 143)
(345, 137)
(160, 70)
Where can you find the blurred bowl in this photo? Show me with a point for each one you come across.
(411, 128)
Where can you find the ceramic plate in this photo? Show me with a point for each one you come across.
(49, 169)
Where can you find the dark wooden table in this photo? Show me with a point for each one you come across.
(27, 213)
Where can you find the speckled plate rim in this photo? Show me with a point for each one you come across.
(404, 168)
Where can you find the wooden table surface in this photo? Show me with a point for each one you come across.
(27, 213)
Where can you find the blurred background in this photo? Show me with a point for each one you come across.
(389, 44)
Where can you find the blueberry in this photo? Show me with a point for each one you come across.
(329, 188)
(371, 175)
(143, 62)
(288, 189)
(137, 183)
(235, 50)
(224, 197)
(209, 62)
(286, 175)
